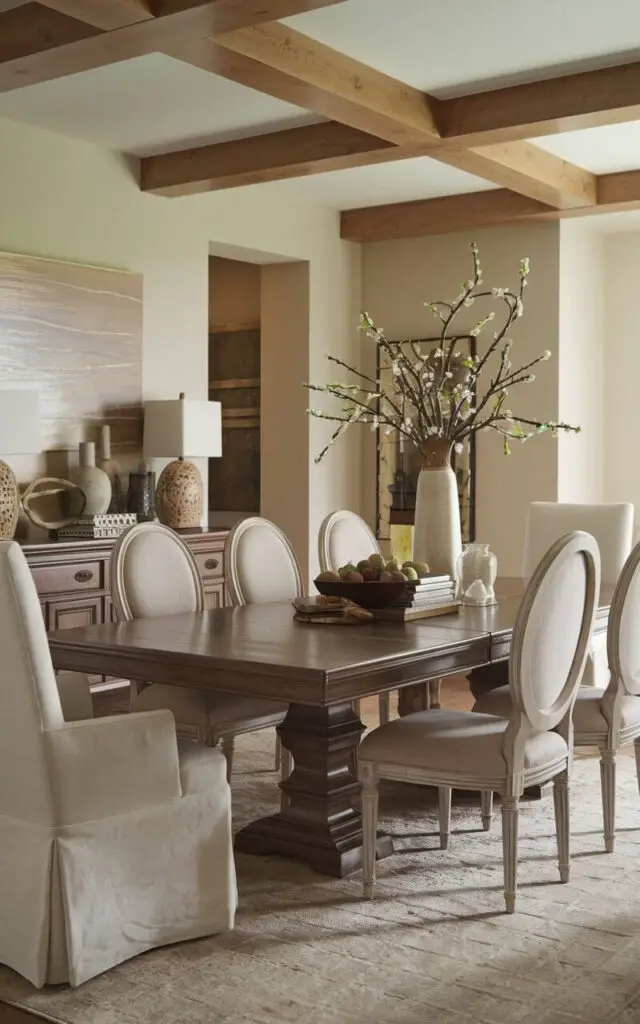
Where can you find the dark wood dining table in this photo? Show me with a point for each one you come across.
(320, 670)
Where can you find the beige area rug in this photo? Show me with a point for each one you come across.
(434, 946)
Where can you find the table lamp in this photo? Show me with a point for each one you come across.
(19, 435)
(182, 429)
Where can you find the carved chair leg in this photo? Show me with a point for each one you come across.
(510, 815)
(369, 828)
(278, 754)
(434, 694)
(637, 750)
(228, 743)
(383, 708)
(444, 811)
(486, 808)
(561, 809)
(608, 786)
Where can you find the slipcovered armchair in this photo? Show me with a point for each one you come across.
(112, 840)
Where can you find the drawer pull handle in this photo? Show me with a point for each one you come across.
(83, 576)
(211, 563)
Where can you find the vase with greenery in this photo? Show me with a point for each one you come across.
(439, 397)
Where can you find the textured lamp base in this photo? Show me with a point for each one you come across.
(9, 502)
(180, 496)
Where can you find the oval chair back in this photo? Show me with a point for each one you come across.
(261, 564)
(153, 573)
(550, 637)
(344, 537)
(623, 634)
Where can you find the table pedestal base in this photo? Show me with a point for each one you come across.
(321, 825)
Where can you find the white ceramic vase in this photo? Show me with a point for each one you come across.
(93, 482)
(109, 466)
(476, 570)
(436, 531)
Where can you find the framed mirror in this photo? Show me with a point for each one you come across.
(398, 465)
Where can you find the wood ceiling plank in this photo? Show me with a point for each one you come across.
(441, 216)
(529, 170)
(292, 67)
(563, 104)
(23, 29)
(103, 14)
(620, 191)
(271, 157)
(29, 54)
(337, 86)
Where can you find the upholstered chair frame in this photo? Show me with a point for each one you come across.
(210, 732)
(106, 822)
(612, 525)
(608, 719)
(534, 711)
(237, 594)
(240, 598)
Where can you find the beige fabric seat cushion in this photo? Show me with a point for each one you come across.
(456, 741)
(587, 716)
(221, 712)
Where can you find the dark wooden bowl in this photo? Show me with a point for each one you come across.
(367, 595)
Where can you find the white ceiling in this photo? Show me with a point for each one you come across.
(614, 147)
(375, 185)
(442, 46)
(155, 104)
(149, 105)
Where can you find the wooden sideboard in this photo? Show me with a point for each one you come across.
(72, 579)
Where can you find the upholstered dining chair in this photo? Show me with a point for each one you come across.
(471, 751)
(602, 718)
(262, 568)
(153, 573)
(612, 525)
(113, 839)
(345, 537)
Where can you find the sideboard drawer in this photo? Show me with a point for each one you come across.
(64, 579)
(210, 563)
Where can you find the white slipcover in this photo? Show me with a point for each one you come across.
(109, 846)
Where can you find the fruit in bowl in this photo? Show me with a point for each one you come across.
(372, 582)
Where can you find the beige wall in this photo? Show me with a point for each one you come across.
(397, 279)
(234, 292)
(622, 368)
(581, 363)
(284, 447)
(67, 199)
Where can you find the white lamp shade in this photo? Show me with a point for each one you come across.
(20, 423)
(182, 428)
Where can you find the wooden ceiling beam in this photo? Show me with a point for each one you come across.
(39, 44)
(336, 86)
(616, 193)
(568, 103)
(103, 14)
(295, 152)
(441, 216)
(281, 62)
(529, 170)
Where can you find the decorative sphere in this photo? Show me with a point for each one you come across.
(329, 576)
(410, 573)
(353, 577)
(344, 569)
(393, 565)
(376, 561)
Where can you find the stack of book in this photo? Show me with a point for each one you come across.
(98, 527)
(431, 595)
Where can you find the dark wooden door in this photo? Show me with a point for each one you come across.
(234, 381)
